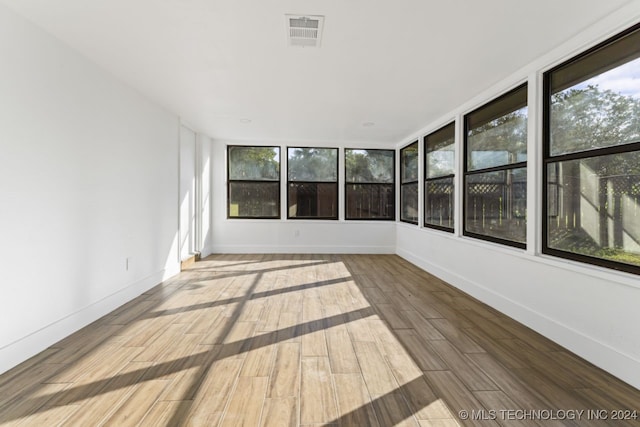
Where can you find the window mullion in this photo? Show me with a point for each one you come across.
(534, 165)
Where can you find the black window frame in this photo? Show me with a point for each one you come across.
(506, 167)
(416, 182)
(336, 182)
(230, 181)
(436, 178)
(548, 159)
(379, 184)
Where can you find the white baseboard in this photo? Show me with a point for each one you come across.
(276, 249)
(18, 351)
(206, 251)
(621, 365)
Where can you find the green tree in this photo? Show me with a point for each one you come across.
(505, 135)
(254, 163)
(369, 166)
(590, 118)
(409, 161)
(313, 164)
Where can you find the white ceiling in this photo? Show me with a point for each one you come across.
(400, 64)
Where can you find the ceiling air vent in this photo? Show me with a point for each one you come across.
(304, 31)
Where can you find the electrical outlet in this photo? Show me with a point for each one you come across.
(296, 233)
(127, 263)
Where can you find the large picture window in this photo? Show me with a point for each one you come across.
(592, 156)
(253, 182)
(495, 170)
(312, 183)
(439, 162)
(409, 183)
(369, 184)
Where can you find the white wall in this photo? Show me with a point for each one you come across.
(204, 195)
(589, 310)
(187, 192)
(88, 178)
(195, 193)
(288, 236)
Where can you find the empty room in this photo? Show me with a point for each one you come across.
(319, 213)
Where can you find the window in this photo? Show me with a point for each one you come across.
(592, 156)
(370, 184)
(253, 182)
(439, 169)
(313, 183)
(495, 170)
(409, 183)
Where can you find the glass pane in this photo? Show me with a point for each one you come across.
(599, 111)
(409, 201)
(254, 163)
(594, 207)
(374, 166)
(409, 163)
(370, 201)
(313, 164)
(497, 132)
(440, 154)
(313, 200)
(438, 206)
(254, 199)
(496, 204)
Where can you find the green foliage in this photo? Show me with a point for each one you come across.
(409, 161)
(499, 141)
(373, 166)
(313, 164)
(440, 158)
(619, 255)
(579, 242)
(588, 118)
(254, 163)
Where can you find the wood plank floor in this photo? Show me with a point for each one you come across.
(308, 340)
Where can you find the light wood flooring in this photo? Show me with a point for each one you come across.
(307, 340)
